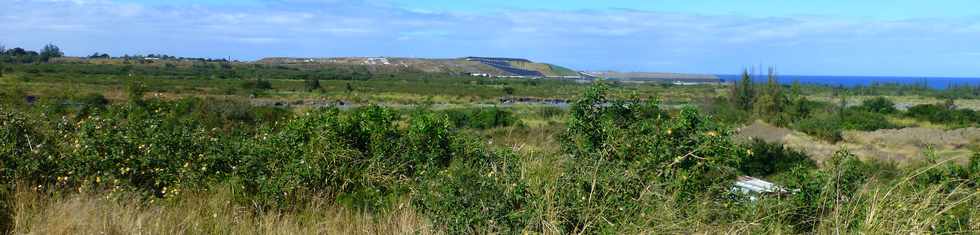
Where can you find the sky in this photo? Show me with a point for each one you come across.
(843, 37)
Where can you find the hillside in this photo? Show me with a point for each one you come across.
(470, 65)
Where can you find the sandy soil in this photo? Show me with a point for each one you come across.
(902, 145)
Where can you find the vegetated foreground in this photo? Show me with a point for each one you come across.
(166, 166)
(610, 163)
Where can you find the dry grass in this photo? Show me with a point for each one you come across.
(910, 100)
(205, 213)
(905, 145)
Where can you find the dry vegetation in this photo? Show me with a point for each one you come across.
(196, 213)
(901, 145)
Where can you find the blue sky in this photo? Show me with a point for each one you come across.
(871, 37)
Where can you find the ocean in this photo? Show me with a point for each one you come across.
(852, 81)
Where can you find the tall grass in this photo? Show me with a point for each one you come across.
(213, 212)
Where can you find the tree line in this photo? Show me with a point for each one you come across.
(21, 55)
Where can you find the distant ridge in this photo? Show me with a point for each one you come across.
(478, 66)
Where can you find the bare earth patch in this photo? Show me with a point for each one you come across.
(901, 145)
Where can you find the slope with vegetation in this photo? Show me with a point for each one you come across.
(468, 65)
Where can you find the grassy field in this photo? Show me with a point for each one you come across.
(398, 88)
(203, 149)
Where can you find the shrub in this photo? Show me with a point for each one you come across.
(944, 114)
(865, 121)
(311, 84)
(136, 91)
(624, 149)
(768, 159)
(819, 192)
(822, 127)
(848, 172)
(24, 149)
(508, 90)
(146, 153)
(481, 118)
(947, 175)
(227, 114)
(803, 108)
(807, 203)
(94, 100)
(259, 84)
(346, 156)
(723, 111)
(878, 105)
(482, 192)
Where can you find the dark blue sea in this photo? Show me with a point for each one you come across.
(852, 81)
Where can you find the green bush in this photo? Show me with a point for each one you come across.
(823, 127)
(815, 193)
(226, 114)
(768, 159)
(147, 153)
(348, 156)
(723, 111)
(878, 105)
(24, 149)
(481, 118)
(483, 192)
(94, 100)
(10, 131)
(807, 203)
(259, 84)
(624, 149)
(943, 114)
(865, 121)
(311, 84)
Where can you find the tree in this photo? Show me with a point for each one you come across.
(50, 51)
(17, 51)
(842, 107)
(99, 56)
(770, 102)
(743, 92)
(796, 90)
(800, 109)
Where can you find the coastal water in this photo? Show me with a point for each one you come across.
(852, 81)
